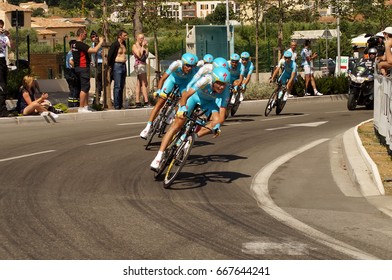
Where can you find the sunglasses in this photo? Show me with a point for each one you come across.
(189, 66)
(234, 61)
(245, 59)
(287, 57)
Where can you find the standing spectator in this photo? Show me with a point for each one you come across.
(4, 43)
(385, 63)
(117, 56)
(27, 104)
(140, 52)
(96, 62)
(81, 56)
(307, 64)
(72, 78)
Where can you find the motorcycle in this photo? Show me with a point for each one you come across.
(361, 88)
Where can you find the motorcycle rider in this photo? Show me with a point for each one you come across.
(370, 62)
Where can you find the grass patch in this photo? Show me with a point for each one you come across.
(378, 154)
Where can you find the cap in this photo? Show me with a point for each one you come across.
(388, 30)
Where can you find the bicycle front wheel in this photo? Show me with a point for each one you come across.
(280, 102)
(270, 103)
(178, 161)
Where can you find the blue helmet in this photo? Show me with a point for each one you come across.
(245, 55)
(287, 54)
(220, 74)
(220, 62)
(188, 58)
(208, 58)
(234, 56)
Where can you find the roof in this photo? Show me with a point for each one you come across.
(10, 8)
(314, 34)
(54, 23)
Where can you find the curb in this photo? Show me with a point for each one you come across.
(361, 168)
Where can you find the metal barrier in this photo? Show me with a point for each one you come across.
(383, 108)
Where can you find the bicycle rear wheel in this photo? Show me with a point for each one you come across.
(236, 105)
(178, 161)
(270, 104)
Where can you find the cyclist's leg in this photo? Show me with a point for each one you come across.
(213, 111)
(167, 87)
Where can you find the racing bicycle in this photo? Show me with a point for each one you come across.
(176, 154)
(276, 100)
(234, 102)
(165, 116)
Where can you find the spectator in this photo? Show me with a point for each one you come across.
(27, 104)
(71, 78)
(96, 62)
(117, 56)
(385, 63)
(140, 52)
(307, 64)
(81, 56)
(4, 43)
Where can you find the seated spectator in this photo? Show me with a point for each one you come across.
(27, 104)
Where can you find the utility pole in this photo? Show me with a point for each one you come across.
(228, 28)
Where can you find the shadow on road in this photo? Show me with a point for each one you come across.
(187, 180)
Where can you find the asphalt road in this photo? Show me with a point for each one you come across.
(268, 188)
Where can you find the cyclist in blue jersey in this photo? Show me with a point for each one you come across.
(207, 69)
(289, 73)
(179, 73)
(211, 91)
(236, 70)
(207, 59)
(248, 70)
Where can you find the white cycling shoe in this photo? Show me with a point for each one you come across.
(156, 163)
(145, 132)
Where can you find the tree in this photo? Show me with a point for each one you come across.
(219, 15)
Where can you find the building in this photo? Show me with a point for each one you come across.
(13, 15)
(34, 6)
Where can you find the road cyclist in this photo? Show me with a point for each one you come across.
(248, 70)
(207, 59)
(286, 81)
(211, 92)
(180, 73)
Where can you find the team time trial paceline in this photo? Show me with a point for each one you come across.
(178, 271)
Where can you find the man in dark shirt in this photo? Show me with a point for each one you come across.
(81, 56)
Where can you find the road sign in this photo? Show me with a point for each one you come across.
(343, 64)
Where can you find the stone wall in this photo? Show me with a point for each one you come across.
(46, 66)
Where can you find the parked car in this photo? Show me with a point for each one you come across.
(321, 65)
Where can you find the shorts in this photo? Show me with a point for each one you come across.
(169, 84)
(84, 78)
(209, 105)
(308, 70)
(285, 77)
(140, 69)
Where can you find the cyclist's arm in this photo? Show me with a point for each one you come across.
(249, 74)
(162, 80)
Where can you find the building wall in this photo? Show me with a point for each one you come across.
(46, 66)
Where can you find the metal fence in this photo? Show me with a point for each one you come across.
(383, 108)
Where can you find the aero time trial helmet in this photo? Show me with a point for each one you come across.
(188, 58)
(208, 58)
(220, 74)
(220, 62)
(288, 54)
(245, 55)
(235, 56)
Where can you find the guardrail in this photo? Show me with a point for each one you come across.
(383, 109)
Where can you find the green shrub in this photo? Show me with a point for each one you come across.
(14, 81)
(256, 91)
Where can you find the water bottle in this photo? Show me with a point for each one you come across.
(171, 116)
(182, 138)
(280, 94)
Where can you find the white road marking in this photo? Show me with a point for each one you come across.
(134, 123)
(112, 140)
(312, 124)
(27, 155)
(282, 117)
(273, 248)
(259, 188)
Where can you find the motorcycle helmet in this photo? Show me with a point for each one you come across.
(288, 54)
(220, 62)
(208, 58)
(220, 74)
(245, 55)
(372, 51)
(235, 56)
(188, 58)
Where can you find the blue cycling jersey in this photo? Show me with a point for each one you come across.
(204, 89)
(236, 72)
(248, 68)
